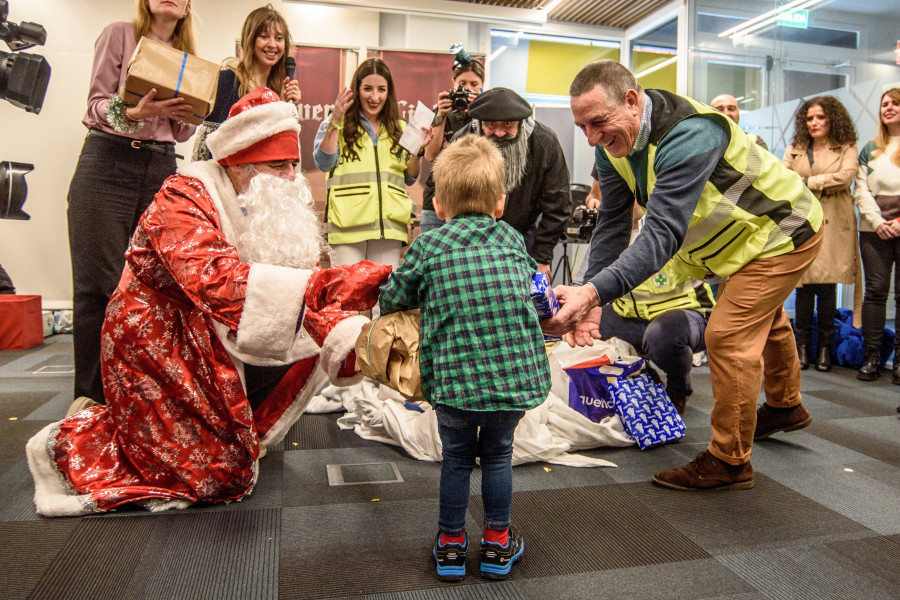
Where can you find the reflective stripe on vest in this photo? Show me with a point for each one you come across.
(752, 206)
(376, 226)
(666, 291)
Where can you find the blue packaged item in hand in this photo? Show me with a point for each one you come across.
(543, 297)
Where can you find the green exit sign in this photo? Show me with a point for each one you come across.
(794, 18)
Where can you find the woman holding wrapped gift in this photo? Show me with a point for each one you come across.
(878, 199)
(368, 209)
(128, 152)
(265, 47)
(823, 152)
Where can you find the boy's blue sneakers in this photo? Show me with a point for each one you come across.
(450, 559)
(497, 560)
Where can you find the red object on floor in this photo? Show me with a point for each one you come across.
(21, 327)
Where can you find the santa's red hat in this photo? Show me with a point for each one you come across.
(260, 127)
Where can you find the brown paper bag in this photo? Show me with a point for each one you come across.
(387, 350)
(173, 73)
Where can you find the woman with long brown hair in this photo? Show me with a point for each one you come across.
(878, 199)
(823, 152)
(358, 146)
(128, 152)
(265, 47)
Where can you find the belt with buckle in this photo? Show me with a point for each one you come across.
(151, 145)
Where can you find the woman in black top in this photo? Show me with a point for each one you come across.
(265, 44)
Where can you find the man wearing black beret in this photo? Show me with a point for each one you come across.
(538, 204)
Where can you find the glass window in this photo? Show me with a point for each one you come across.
(653, 57)
(541, 67)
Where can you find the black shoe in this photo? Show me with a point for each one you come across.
(497, 560)
(450, 559)
(803, 355)
(679, 400)
(871, 366)
(896, 378)
(824, 362)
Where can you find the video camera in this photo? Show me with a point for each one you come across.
(23, 77)
(581, 224)
(23, 83)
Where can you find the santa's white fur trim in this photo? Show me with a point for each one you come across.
(52, 498)
(317, 380)
(337, 345)
(274, 298)
(252, 126)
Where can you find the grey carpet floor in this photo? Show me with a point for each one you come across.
(822, 522)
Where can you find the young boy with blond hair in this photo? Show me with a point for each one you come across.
(481, 351)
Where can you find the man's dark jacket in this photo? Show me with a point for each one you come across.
(543, 193)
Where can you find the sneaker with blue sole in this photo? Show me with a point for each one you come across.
(497, 560)
(450, 559)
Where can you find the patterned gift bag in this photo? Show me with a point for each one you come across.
(646, 411)
(589, 391)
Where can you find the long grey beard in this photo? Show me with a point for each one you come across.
(515, 154)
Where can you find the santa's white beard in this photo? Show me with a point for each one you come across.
(277, 224)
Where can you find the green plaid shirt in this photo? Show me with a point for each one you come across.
(480, 344)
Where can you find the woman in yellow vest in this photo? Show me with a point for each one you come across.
(368, 209)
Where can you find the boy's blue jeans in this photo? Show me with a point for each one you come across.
(465, 435)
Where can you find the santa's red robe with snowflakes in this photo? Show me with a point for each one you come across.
(187, 314)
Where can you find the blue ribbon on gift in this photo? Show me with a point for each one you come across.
(177, 85)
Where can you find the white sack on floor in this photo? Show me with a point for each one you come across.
(546, 433)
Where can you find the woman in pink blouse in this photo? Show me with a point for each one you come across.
(128, 152)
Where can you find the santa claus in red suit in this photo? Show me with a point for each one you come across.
(220, 331)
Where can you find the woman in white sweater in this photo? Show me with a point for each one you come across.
(877, 196)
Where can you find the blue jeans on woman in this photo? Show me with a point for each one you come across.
(465, 435)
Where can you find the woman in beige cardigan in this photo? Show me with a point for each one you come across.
(823, 152)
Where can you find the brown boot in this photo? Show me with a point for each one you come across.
(769, 422)
(706, 472)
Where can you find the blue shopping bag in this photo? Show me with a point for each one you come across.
(589, 387)
(645, 409)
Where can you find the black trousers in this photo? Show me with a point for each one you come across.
(112, 186)
(670, 340)
(262, 381)
(812, 298)
(6, 284)
(879, 257)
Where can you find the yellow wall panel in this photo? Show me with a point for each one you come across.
(662, 79)
(552, 65)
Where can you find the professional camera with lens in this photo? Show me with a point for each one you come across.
(23, 77)
(459, 99)
(581, 224)
(23, 83)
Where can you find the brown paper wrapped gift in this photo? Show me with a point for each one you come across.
(387, 350)
(172, 73)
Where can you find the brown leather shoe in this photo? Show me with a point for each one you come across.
(769, 422)
(706, 472)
